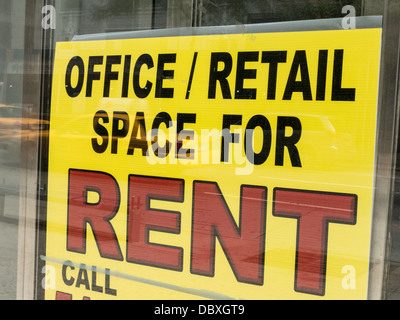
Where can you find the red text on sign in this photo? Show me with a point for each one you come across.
(243, 243)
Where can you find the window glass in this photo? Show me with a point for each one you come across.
(109, 16)
(12, 22)
(18, 127)
(227, 12)
(95, 16)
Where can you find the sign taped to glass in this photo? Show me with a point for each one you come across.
(217, 166)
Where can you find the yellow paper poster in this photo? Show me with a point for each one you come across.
(220, 166)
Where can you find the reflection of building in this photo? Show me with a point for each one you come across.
(12, 44)
(225, 12)
(12, 21)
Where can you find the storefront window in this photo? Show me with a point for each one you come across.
(53, 56)
(247, 12)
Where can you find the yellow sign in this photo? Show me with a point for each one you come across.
(222, 166)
